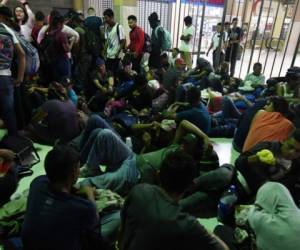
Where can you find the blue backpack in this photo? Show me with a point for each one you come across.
(31, 54)
(6, 49)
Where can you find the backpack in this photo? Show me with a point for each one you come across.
(26, 154)
(31, 54)
(6, 49)
(147, 43)
(167, 40)
(48, 49)
(93, 43)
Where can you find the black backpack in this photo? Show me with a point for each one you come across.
(93, 42)
(147, 43)
(26, 154)
(49, 49)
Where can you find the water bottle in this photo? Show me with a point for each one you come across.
(226, 204)
(129, 142)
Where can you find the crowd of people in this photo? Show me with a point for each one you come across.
(131, 123)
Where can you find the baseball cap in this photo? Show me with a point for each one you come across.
(180, 62)
(99, 61)
(5, 11)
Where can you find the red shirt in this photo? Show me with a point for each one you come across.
(136, 40)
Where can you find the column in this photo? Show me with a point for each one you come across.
(78, 5)
(292, 42)
(122, 9)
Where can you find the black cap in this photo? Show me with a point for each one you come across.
(5, 11)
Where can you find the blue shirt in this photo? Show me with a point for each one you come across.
(198, 115)
(56, 220)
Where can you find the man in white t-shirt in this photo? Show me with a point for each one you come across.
(8, 45)
(215, 43)
(115, 38)
(186, 38)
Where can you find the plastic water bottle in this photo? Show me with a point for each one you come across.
(129, 142)
(226, 204)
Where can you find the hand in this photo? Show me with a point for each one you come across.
(18, 82)
(22, 1)
(155, 125)
(31, 90)
(89, 191)
(147, 139)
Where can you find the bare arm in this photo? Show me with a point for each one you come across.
(186, 127)
(22, 62)
(4, 2)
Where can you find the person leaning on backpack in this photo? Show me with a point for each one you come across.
(137, 41)
(116, 41)
(9, 44)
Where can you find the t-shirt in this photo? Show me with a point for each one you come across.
(198, 115)
(184, 45)
(216, 40)
(171, 77)
(152, 220)
(62, 119)
(114, 35)
(61, 41)
(56, 220)
(252, 79)
(235, 34)
(93, 23)
(268, 126)
(7, 72)
(204, 65)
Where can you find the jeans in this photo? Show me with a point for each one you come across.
(110, 224)
(231, 57)
(209, 186)
(225, 121)
(121, 181)
(106, 148)
(95, 121)
(62, 69)
(217, 62)
(7, 104)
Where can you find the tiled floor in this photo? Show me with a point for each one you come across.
(222, 146)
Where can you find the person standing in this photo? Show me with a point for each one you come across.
(137, 40)
(218, 52)
(186, 41)
(115, 37)
(9, 43)
(157, 37)
(235, 36)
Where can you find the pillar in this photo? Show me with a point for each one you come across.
(78, 5)
(291, 44)
(122, 9)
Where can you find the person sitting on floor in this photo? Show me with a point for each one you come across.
(254, 80)
(56, 119)
(162, 224)
(270, 123)
(194, 111)
(56, 216)
(270, 161)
